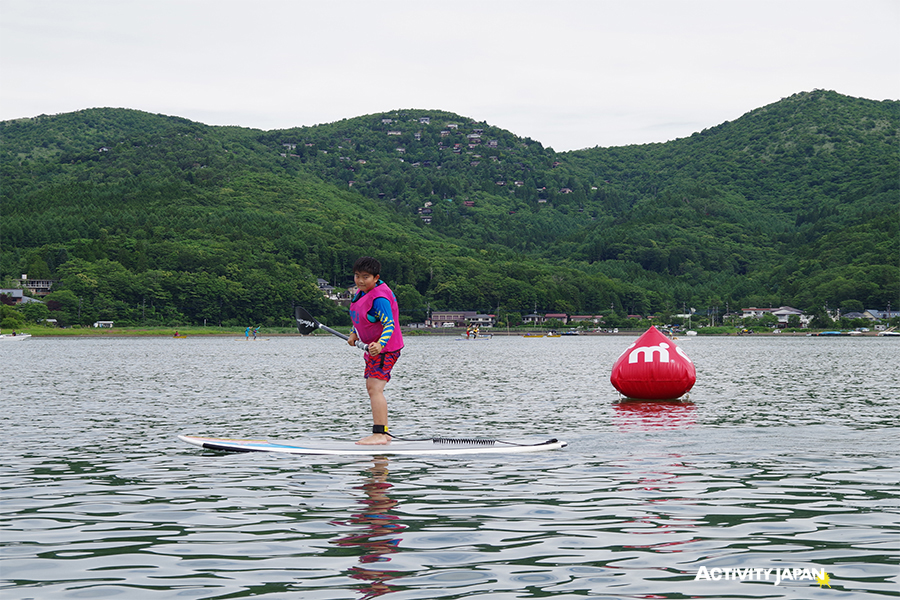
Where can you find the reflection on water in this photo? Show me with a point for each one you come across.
(378, 532)
(785, 457)
(651, 414)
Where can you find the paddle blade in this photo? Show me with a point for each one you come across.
(306, 323)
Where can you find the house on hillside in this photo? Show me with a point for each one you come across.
(881, 315)
(853, 315)
(450, 318)
(17, 296)
(326, 288)
(783, 314)
(537, 319)
(38, 287)
(482, 320)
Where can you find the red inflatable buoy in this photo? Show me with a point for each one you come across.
(653, 368)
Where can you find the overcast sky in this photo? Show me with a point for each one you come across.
(568, 73)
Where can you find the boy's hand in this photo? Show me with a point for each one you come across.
(375, 348)
(352, 339)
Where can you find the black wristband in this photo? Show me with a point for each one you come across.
(380, 429)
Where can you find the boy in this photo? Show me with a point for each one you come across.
(376, 321)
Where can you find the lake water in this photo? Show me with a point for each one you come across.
(786, 457)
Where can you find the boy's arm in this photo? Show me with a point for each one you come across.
(382, 307)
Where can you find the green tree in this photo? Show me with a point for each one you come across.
(852, 306)
(34, 312)
(10, 318)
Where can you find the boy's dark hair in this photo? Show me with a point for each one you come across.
(367, 264)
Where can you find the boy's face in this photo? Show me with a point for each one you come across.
(365, 281)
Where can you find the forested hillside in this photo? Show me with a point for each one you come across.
(158, 220)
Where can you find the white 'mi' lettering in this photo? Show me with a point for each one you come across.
(649, 353)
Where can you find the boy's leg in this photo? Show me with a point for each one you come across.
(375, 387)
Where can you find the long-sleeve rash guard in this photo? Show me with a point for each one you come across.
(381, 311)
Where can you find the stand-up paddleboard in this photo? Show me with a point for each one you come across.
(418, 447)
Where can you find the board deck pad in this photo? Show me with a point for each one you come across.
(335, 447)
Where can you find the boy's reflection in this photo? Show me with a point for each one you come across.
(379, 531)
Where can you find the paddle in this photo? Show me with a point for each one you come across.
(306, 323)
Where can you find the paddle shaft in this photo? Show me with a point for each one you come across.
(306, 323)
(359, 344)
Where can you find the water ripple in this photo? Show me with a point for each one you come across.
(761, 469)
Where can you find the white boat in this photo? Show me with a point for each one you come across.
(15, 337)
(892, 332)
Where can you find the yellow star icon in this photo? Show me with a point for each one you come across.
(823, 580)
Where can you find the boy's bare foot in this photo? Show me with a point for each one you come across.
(376, 439)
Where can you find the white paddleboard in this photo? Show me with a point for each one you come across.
(437, 446)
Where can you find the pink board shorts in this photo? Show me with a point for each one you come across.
(380, 366)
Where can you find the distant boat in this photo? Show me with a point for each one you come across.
(15, 337)
(474, 338)
(889, 332)
(533, 335)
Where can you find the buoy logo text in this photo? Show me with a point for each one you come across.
(651, 352)
(648, 352)
(755, 574)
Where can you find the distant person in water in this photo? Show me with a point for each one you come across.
(247, 334)
(376, 322)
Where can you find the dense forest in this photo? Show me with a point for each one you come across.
(158, 220)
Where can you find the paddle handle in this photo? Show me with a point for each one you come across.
(359, 344)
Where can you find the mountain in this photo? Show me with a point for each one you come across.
(155, 219)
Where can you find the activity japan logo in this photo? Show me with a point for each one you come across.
(775, 575)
